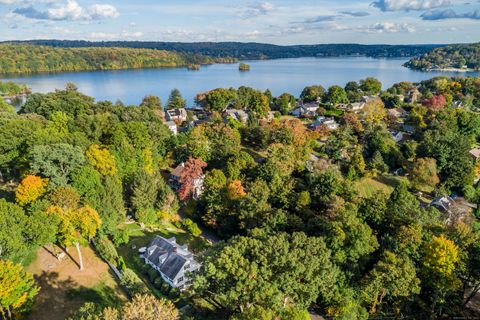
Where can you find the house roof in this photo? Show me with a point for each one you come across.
(173, 255)
(475, 152)
(178, 170)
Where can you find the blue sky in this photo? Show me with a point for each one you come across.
(278, 22)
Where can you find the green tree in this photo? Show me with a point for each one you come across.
(312, 93)
(175, 100)
(335, 95)
(370, 86)
(56, 161)
(391, 280)
(264, 271)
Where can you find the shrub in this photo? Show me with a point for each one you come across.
(121, 264)
(192, 227)
(145, 268)
(134, 284)
(106, 249)
(158, 282)
(147, 216)
(152, 274)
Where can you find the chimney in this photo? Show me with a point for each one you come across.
(174, 249)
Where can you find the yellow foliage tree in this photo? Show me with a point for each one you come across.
(17, 289)
(235, 190)
(30, 189)
(102, 160)
(441, 257)
(374, 111)
(76, 225)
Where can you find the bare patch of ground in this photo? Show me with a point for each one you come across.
(64, 288)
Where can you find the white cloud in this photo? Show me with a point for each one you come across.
(387, 27)
(70, 10)
(256, 9)
(407, 5)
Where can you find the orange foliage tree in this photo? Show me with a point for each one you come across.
(235, 190)
(30, 189)
(192, 171)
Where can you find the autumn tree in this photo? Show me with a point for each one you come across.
(440, 260)
(193, 170)
(147, 307)
(17, 290)
(374, 111)
(76, 225)
(424, 173)
(30, 189)
(235, 190)
(435, 103)
(102, 160)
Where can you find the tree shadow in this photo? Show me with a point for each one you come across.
(70, 256)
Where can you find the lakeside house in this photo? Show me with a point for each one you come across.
(351, 107)
(329, 123)
(236, 114)
(413, 95)
(306, 110)
(397, 113)
(177, 115)
(173, 262)
(197, 181)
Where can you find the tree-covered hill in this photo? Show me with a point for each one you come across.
(25, 58)
(254, 50)
(459, 56)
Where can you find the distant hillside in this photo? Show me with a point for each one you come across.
(460, 56)
(28, 58)
(255, 50)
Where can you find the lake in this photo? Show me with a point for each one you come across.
(282, 75)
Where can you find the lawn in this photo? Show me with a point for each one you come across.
(140, 238)
(367, 187)
(64, 288)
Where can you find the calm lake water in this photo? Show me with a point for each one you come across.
(282, 75)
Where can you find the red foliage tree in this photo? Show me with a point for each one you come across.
(193, 170)
(435, 103)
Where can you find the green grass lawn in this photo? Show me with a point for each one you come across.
(367, 187)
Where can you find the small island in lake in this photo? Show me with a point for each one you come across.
(193, 67)
(244, 67)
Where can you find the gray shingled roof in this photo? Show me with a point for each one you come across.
(172, 266)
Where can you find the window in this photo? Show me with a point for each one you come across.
(179, 279)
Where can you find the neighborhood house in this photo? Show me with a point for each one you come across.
(172, 261)
(197, 182)
(179, 115)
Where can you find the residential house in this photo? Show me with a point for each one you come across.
(475, 153)
(351, 107)
(176, 175)
(173, 262)
(172, 126)
(236, 114)
(398, 113)
(306, 110)
(177, 115)
(397, 136)
(367, 99)
(454, 208)
(413, 95)
(329, 123)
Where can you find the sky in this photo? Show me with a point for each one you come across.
(278, 22)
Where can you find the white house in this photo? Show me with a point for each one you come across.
(179, 115)
(306, 110)
(173, 262)
(329, 123)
